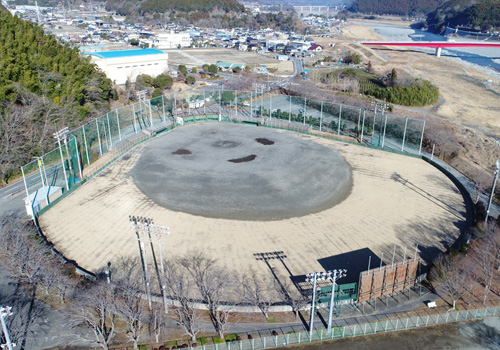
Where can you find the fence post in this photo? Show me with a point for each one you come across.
(340, 119)
(299, 337)
(427, 320)
(404, 136)
(86, 147)
(287, 339)
(376, 324)
(447, 315)
(386, 325)
(354, 331)
(163, 105)
(98, 136)
(366, 325)
(150, 113)
(109, 131)
(456, 318)
(343, 332)
(397, 322)
(253, 344)
(118, 122)
(407, 319)
(437, 318)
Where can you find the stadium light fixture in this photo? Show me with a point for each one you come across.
(4, 312)
(332, 275)
(161, 232)
(139, 225)
(336, 274)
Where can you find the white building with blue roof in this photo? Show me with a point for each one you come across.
(123, 65)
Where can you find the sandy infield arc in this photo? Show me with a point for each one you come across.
(394, 200)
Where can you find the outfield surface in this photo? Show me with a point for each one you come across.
(394, 201)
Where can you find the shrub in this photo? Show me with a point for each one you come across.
(163, 81)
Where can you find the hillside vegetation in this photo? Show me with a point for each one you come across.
(468, 14)
(44, 86)
(395, 7)
(141, 7)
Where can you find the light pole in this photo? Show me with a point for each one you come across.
(492, 191)
(4, 312)
(61, 134)
(336, 275)
(139, 225)
(160, 232)
(314, 277)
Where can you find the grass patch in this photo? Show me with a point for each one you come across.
(271, 320)
(202, 340)
(227, 337)
(171, 344)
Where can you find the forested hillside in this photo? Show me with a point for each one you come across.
(141, 7)
(467, 14)
(396, 7)
(44, 86)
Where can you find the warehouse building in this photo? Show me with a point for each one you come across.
(123, 65)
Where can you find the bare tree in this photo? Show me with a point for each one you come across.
(26, 255)
(214, 284)
(289, 294)
(257, 291)
(180, 287)
(485, 255)
(452, 276)
(157, 320)
(94, 311)
(129, 303)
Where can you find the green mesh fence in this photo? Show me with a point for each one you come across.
(390, 324)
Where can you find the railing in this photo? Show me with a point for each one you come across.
(387, 325)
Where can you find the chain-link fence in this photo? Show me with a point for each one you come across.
(87, 149)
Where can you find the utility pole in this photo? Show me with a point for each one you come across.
(492, 191)
(61, 134)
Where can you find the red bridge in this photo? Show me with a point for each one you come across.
(437, 44)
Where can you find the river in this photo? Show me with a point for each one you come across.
(487, 59)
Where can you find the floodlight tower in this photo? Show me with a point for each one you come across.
(161, 232)
(314, 277)
(139, 225)
(332, 275)
(4, 312)
(336, 274)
